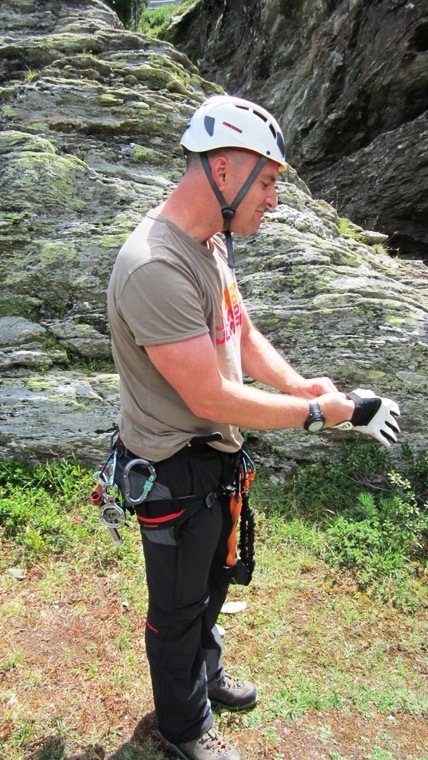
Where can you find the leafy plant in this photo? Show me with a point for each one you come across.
(416, 471)
(358, 514)
(373, 519)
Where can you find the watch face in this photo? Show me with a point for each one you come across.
(315, 426)
(316, 420)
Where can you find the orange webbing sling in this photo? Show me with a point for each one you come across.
(240, 568)
(235, 506)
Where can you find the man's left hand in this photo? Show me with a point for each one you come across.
(374, 416)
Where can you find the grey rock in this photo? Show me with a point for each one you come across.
(347, 80)
(18, 330)
(90, 119)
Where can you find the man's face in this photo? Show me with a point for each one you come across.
(261, 196)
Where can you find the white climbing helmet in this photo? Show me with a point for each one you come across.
(225, 121)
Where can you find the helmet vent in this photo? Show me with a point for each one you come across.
(280, 142)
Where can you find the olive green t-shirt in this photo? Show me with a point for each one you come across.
(165, 288)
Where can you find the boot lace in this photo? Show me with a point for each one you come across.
(230, 683)
(213, 742)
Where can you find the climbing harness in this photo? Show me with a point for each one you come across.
(125, 488)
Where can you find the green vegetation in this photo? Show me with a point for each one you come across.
(44, 512)
(129, 11)
(351, 230)
(30, 75)
(134, 15)
(154, 22)
(373, 519)
(334, 633)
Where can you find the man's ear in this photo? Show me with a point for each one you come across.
(219, 170)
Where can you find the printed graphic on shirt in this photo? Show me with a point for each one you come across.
(230, 319)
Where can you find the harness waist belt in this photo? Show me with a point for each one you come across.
(197, 442)
(164, 513)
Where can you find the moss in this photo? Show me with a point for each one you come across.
(82, 63)
(24, 6)
(19, 306)
(7, 112)
(380, 249)
(14, 140)
(39, 126)
(154, 76)
(37, 385)
(393, 319)
(374, 374)
(142, 153)
(49, 179)
(80, 280)
(211, 88)
(349, 229)
(67, 402)
(53, 251)
(108, 99)
(114, 241)
(174, 85)
(157, 126)
(344, 258)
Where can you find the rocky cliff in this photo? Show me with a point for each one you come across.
(348, 80)
(90, 117)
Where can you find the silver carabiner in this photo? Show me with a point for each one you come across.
(148, 485)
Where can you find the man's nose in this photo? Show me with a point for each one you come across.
(272, 199)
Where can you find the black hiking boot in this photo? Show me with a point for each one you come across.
(233, 694)
(209, 746)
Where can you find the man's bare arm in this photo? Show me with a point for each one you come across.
(191, 368)
(262, 362)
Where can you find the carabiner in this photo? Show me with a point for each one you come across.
(148, 482)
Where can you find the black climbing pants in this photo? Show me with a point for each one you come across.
(187, 587)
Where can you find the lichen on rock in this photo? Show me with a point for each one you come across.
(91, 118)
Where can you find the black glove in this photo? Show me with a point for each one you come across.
(374, 416)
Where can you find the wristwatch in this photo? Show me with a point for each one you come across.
(315, 420)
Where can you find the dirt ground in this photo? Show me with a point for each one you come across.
(69, 687)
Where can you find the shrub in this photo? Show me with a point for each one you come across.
(375, 519)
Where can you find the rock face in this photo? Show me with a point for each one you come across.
(347, 80)
(90, 118)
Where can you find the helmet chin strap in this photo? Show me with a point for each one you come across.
(228, 211)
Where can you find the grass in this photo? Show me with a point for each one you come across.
(154, 22)
(339, 658)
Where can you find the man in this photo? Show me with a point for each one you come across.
(182, 339)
